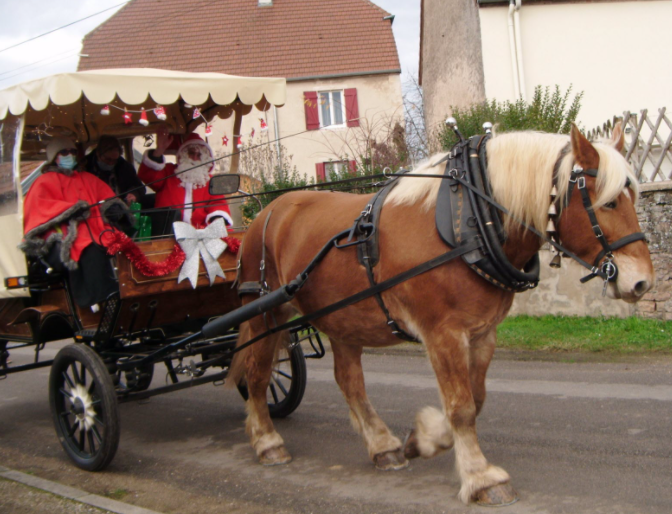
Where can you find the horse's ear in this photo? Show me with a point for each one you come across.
(617, 137)
(584, 153)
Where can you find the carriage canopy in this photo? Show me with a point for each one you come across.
(86, 105)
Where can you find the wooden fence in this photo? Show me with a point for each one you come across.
(647, 143)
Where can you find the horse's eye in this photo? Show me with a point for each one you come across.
(610, 205)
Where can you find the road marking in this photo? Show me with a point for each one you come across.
(536, 387)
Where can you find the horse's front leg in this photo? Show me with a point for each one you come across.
(449, 352)
(385, 450)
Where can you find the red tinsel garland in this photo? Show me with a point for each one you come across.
(119, 242)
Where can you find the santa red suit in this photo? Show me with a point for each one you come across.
(184, 185)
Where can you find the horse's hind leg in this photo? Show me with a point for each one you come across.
(449, 353)
(267, 443)
(385, 450)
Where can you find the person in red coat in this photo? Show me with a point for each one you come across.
(184, 185)
(64, 226)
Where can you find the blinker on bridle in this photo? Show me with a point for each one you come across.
(603, 265)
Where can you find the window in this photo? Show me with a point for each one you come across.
(334, 170)
(332, 108)
(337, 108)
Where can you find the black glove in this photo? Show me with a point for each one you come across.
(120, 218)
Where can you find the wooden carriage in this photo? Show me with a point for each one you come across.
(147, 321)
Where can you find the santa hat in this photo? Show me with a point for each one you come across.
(194, 139)
(58, 144)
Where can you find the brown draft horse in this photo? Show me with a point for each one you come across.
(450, 309)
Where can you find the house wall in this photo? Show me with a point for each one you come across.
(616, 52)
(380, 105)
(452, 69)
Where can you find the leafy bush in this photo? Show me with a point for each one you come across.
(280, 178)
(548, 112)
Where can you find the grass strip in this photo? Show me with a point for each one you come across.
(568, 333)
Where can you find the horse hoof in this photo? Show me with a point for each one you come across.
(411, 446)
(499, 495)
(275, 456)
(390, 461)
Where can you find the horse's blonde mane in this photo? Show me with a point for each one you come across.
(520, 168)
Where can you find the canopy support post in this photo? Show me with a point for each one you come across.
(237, 123)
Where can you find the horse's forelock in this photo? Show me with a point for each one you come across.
(613, 174)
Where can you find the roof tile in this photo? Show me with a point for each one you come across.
(292, 38)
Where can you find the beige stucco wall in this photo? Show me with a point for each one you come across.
(380, 103)
(618, 53)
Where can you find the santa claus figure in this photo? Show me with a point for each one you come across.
(184, 185)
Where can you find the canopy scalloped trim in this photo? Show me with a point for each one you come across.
(134, 85)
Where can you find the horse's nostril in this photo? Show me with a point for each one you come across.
(641, 287)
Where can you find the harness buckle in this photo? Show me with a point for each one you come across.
(598, 231)
(367, 210)
(581, 182)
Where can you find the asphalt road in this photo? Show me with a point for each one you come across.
(575, 437)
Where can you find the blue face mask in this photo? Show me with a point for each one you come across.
(67, 162)
(105, 167)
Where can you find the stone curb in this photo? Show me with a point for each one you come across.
(73, 494)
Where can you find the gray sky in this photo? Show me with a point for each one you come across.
(58, 52)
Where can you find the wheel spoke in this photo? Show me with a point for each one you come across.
(66, 393)
(68, 379)
(99, 421)
(75, 373)
(84, 376)
(286, 359)
(274, 393)
(283, 373)
(92, 445)
(72, 429)
(97, 434)
(282, 387)
(81, 439)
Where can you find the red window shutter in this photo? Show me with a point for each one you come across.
(353, 166)
(351, 107)
(310, 106)
(320, 171)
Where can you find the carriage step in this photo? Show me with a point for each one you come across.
(85, 335)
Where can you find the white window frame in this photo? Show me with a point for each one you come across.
(331, 107)
(340, 168)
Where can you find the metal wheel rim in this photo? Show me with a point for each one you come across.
(79, 410)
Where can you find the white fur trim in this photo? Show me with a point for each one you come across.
(223, 214)
(188, 202)
(152, 164)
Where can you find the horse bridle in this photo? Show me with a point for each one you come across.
(604, 261)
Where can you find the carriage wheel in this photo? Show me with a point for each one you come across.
(84, 407)
(288, 383)
(140, 378)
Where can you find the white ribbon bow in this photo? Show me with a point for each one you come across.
(205, 242)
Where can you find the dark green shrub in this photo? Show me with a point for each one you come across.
(548, 112)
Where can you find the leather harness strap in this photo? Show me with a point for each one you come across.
(368, 253)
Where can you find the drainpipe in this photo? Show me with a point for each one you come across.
(512, 48)
(519, 48)
(276, 127)
(515, 47)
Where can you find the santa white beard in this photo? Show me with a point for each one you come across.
(198, 174)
